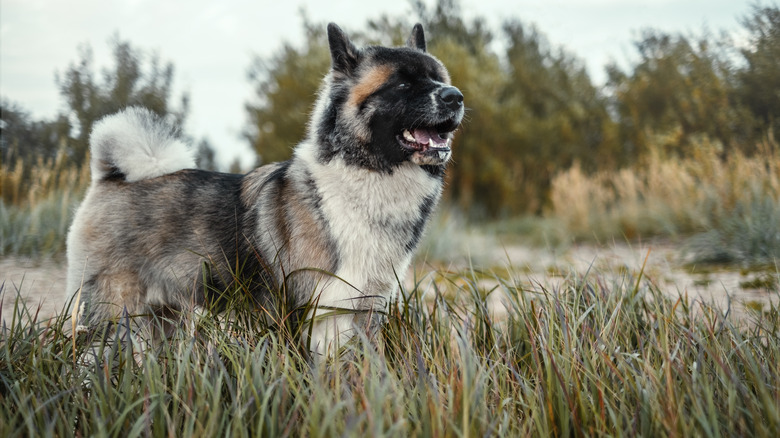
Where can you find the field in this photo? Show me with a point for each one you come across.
(582, 341)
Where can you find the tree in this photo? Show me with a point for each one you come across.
(679, 91)
(559, 117)
(24, 139)
(24, 143)
(531, 111)
(758, 85)
(480, 180)
(205, 157)
(286, 87)
(128, 83)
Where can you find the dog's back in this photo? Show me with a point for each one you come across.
(151, 231)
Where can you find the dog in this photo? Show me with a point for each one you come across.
(331, 230)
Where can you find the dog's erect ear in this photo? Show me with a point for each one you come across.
(343, 54)
(417, 38)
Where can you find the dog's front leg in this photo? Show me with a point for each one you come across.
(336, 312)
(329, 331)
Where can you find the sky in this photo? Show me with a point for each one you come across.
(211, 44)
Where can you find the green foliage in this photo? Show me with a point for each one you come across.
(689, 87)
(759, 81)
(748, 236)
(532, 110)
(556, 117)
(592, 356)
(286, 87)
(205, 156)
(24, 140)
(679, 87)
(129, 82)
(445, 20)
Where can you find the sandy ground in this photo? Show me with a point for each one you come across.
(659, 263)
(41, 283)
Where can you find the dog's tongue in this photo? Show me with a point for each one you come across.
(426, 136)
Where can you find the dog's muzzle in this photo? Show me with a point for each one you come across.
(431, 144)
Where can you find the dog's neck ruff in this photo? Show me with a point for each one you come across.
(375, 218)
(382, 191)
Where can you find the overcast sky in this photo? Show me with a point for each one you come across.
(211, 43)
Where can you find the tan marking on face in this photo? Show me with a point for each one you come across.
(368, 84)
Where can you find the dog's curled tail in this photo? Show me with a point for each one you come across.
(136, 144)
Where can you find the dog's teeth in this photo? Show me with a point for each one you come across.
(408, 136)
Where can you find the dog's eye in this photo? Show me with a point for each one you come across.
(403, 86)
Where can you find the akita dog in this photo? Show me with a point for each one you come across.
(335, 226)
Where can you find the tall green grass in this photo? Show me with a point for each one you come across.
(590, 356)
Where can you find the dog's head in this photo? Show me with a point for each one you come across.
(382, 107)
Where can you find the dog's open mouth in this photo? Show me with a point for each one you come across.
(425, 139)
(429, 144)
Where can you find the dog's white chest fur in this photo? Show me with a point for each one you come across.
(372, 217)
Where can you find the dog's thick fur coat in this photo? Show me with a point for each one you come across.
(353, 202)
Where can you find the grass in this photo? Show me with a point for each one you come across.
(731, 205)
(37, 230)
(767, 282)
(592, 355)
(37, 210)
(450, 239)
(749, 235)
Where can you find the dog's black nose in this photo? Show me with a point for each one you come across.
(451, 97)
